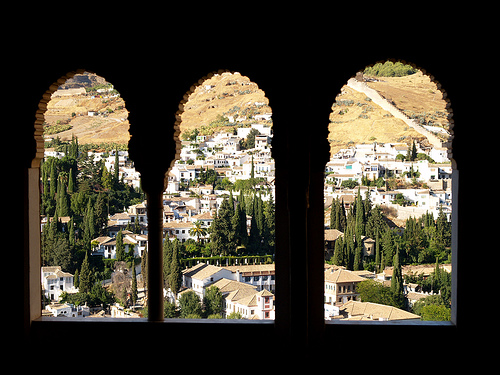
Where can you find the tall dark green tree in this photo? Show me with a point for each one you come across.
(116, 167)
(120, 247)
(397, 282)
(338, 252)
(175, 277)
(133, 293)
(221, 231)
(88, 226)
(269, 231)
(62, 198)
(85, 276)
(212, 301)
(167, 261)
(239, 226)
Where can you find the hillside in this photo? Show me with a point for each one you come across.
(356, 119)
(78, 109)
(229, 95)
(417, 96)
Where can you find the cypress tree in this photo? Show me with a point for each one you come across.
(358, 253)
(221, 231)
(342, 218)
(334, 219)
(71, 182)
(85, 283)
(397, 282)
(413, 155)
(231, 202)
(62, 199)
(53, 179)
(134, 285)
(71, 232)
(76, 279)
(175, 277)
(269, 226)
(167, 261)
(360, 215)
(144, 267)
(117, 167)
(120, 248)
(377, 253)
(88, 226)
(338, 252)
(254, 240)
(239, 225)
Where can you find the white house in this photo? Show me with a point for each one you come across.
(178, 229)
(202, 275)
(105, 246)
(68, 310)
(250, 304)
(55, 281)
(261, 276)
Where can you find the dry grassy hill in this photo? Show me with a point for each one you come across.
(227, 95)
(91, 116)
(415, 95)
(356, 119)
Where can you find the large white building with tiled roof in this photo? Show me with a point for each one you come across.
(340, 285)
(55, 281)
(251, 299)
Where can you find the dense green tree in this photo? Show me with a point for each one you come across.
(144, 267)
(190, 304)
(221, 231)
(133, 293)
(239, 226)
(62, 198)
(120, 247)
(212, 301)
(338, 252)
(397, 282)
(269, 228)
(373, 291)
(175, 277)
(85, 275)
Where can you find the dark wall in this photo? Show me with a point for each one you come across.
(301, 77)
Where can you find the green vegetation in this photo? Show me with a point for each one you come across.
(390, 69)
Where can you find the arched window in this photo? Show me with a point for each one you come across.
(388, 196)
(219, 199)
(301, 151)
(86, 181)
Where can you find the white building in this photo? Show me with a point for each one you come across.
(179, 230)
(68, 310)
(250, 304)
(202, 275)
(55, 281)
(105, 246)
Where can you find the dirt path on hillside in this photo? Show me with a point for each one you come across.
(385, 105)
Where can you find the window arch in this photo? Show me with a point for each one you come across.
(91, 108)
(377, 122)
(293, 263)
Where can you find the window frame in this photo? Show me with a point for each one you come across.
(299, 315)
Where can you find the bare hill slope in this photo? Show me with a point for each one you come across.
(229, 95)
(92, 116)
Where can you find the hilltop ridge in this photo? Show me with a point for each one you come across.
(86, 106)
(224, 101)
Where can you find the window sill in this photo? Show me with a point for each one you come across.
(399, 323)
(50, 319)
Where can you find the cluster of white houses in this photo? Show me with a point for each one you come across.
(249, 291)
(371, 161)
